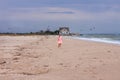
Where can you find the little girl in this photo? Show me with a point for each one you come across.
(59, 41)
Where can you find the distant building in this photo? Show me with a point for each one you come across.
(64, 30)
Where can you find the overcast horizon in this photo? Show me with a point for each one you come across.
(81, 16)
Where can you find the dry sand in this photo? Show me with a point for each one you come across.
(38, 58)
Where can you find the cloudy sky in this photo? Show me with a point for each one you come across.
(83, 16)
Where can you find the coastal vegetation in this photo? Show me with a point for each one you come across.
(41, 32)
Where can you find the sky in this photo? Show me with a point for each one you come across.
(81, 16)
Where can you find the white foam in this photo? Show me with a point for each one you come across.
(105, 40)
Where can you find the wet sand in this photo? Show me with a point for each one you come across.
(39, 58)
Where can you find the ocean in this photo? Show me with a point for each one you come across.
(105, 38)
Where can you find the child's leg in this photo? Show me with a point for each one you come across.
(59, 45)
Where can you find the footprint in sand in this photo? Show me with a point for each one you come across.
(79, 58)
(17, 54)
(63, 65)
(16, 59)
(2, 61)
(76, 66)
(35, 71)
(94, 58)
(45, 65)
(100, 79)
(102, 62)
(94, 76)
(109, 51)
(60, 63)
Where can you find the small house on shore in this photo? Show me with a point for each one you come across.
(64, 30)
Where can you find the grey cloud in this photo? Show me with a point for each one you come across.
(65, 12)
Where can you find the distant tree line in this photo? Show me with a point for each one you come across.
(41, 32)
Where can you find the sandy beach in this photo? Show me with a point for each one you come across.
(39, 58)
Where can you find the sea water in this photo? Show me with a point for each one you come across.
(106, 38)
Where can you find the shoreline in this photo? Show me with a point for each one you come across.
(38, 57)
(99, 40)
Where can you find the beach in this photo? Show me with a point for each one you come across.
(38, 58)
